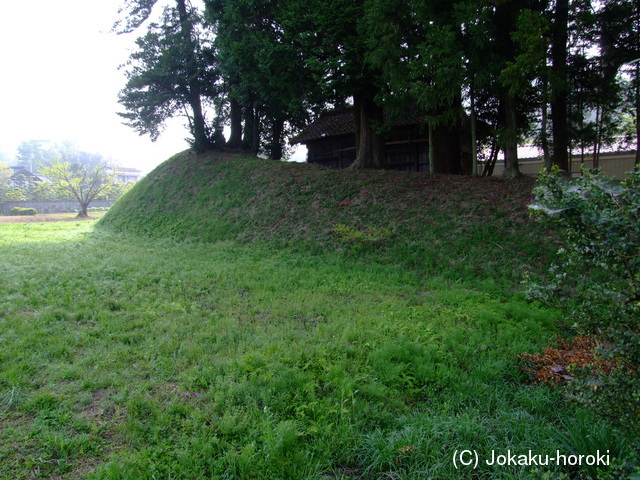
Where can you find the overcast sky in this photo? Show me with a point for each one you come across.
(60, 81)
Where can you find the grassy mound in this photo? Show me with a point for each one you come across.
(457, 226)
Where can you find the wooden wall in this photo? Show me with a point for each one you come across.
(333, 152)
(407, 148)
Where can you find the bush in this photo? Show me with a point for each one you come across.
(597, 281)
(22, 211)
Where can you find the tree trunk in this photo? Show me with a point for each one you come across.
(596, 146)
(432, 151)
(83, 213)
(276, 139)
(251, 137)
(474, 136)
(491, 161)
(511, 168)
(559, 87)
(249, 120)
(505, 23)
(637, 79)
(255, 135)
(543, 127)
(199, 130)
(200, 138)
(235, 138)
(370, 148)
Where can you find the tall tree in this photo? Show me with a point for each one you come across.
(481, 72)
(504, 61)
(506, 14)
(619, 22)
(559, 85)
(265, 76)
(33, 154)
(329, 36)
(170, 74)
(416, 48)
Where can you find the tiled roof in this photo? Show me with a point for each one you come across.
(342, 122)
(329, 124)
(20, 170)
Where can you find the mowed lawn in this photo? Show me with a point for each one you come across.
(127, 358)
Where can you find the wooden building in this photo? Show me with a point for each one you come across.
(330, 141)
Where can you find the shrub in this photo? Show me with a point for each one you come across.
(597, 281)
(22, 211)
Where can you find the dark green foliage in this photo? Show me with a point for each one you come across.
(22, 211)
(264, 73)
(597, 280)
(273, 65)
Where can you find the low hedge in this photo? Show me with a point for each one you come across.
(22, 211)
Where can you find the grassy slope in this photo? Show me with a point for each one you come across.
(453, 226)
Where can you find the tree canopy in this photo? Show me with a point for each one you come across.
(548, 71)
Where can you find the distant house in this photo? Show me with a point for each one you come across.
(330, 141)
(23, 178)
(126, 175)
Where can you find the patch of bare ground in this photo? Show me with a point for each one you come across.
(172, 390)
(82, 470)
(103, 412)
(49, 217)
(553, 366)
(107, 417)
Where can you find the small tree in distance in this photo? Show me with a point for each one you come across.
(84, 182)
(5, 175)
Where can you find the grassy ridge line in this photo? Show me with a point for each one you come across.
(468, 227)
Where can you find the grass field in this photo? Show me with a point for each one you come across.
(124, 358)
(236, 329)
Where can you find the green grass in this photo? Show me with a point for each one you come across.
(244, 319)
(123, 357)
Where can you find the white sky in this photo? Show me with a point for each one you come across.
(60, 81)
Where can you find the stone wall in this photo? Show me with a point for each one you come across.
(53, 207)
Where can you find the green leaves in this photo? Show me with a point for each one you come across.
(597, 279)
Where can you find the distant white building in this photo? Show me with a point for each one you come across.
(126, 175)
